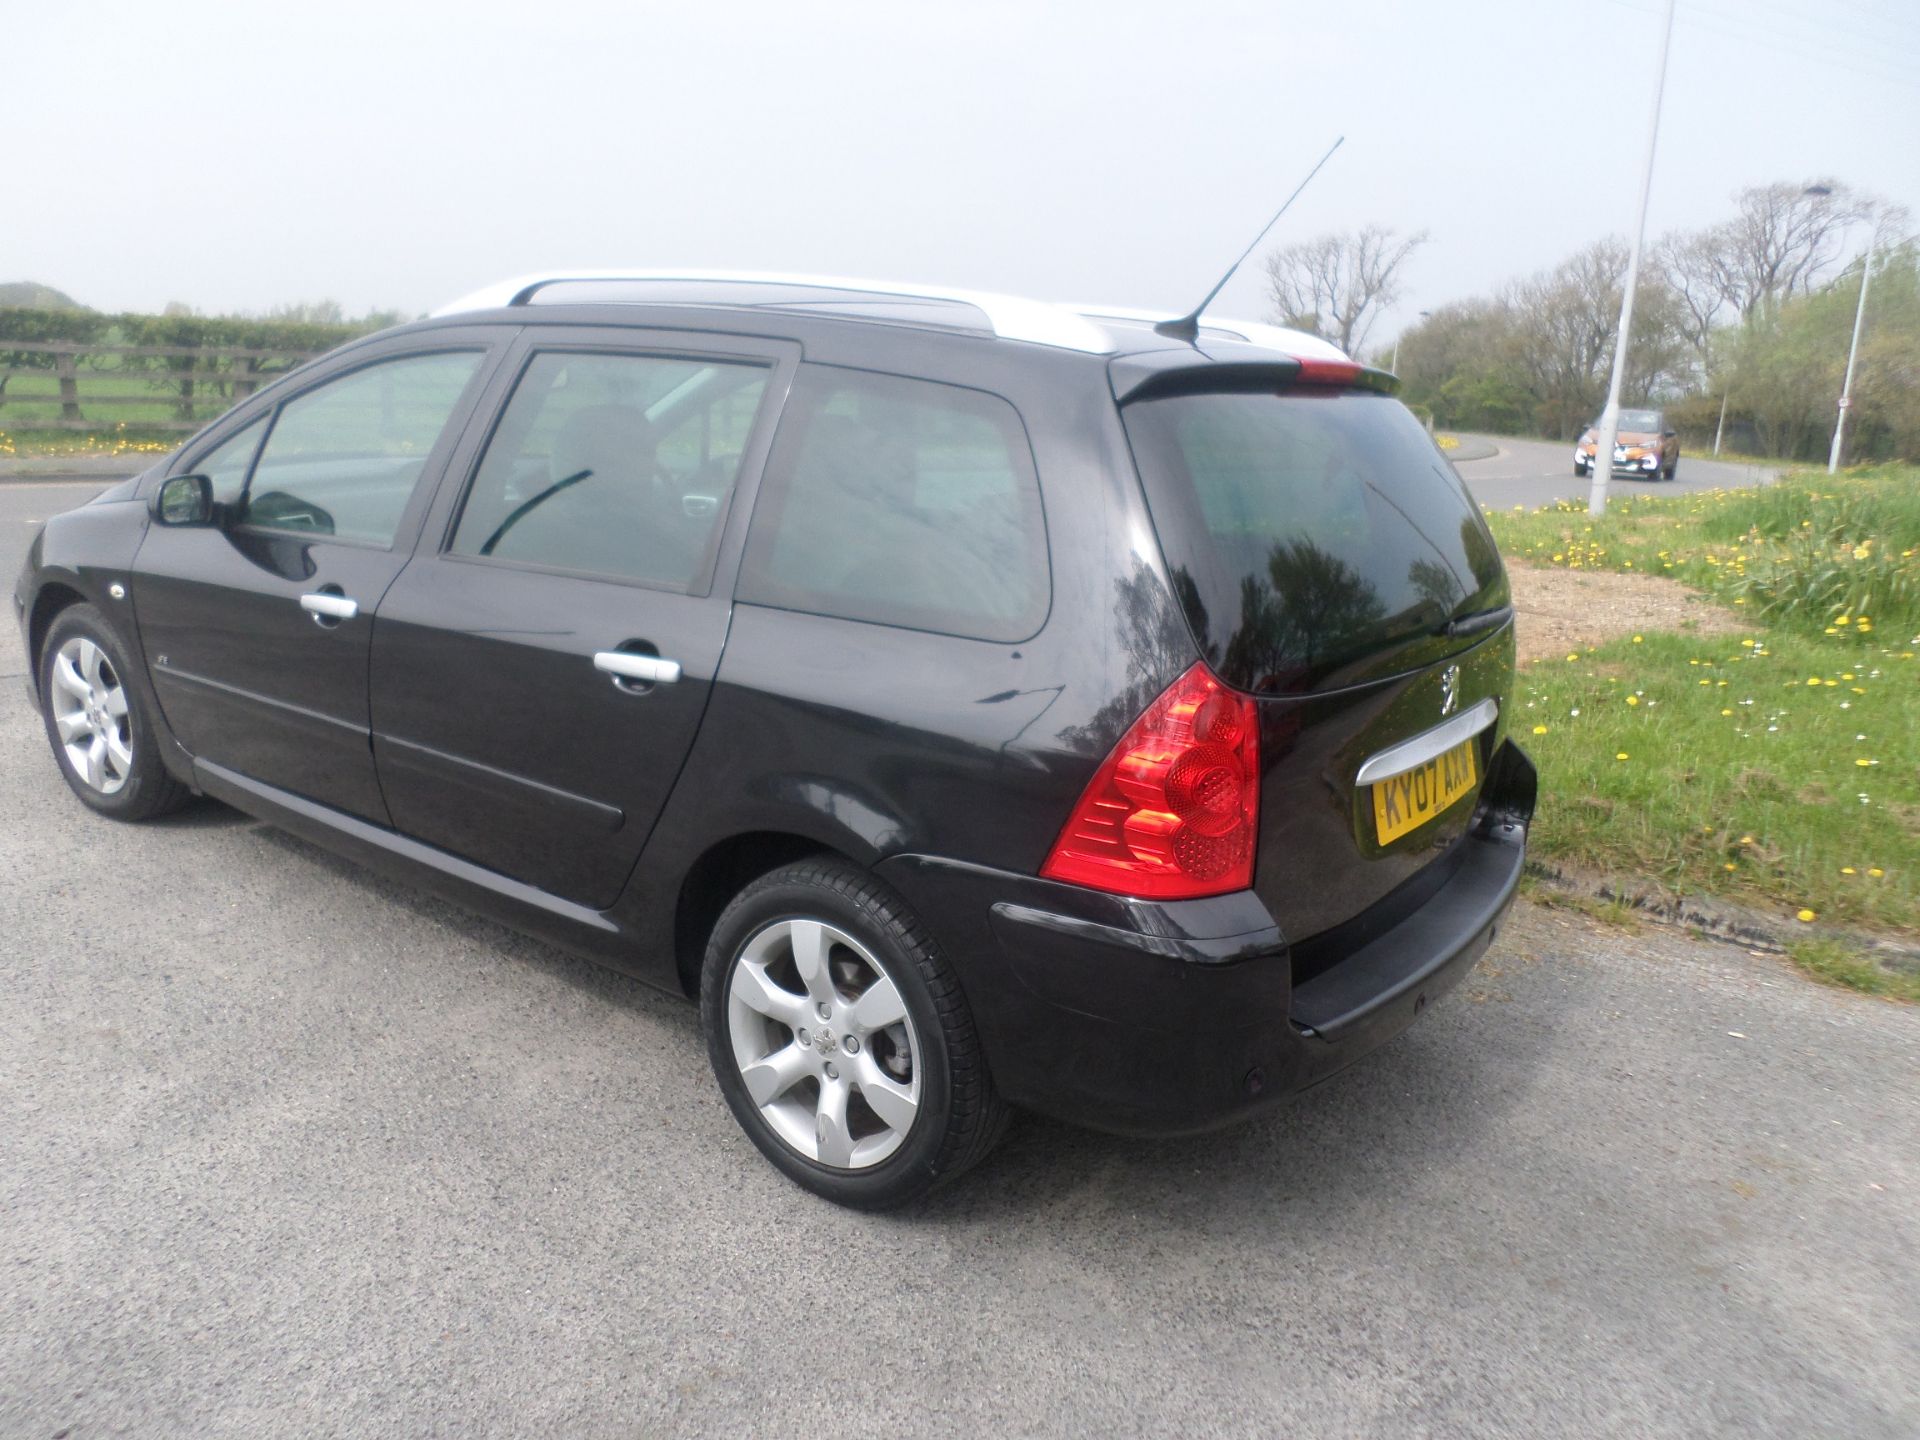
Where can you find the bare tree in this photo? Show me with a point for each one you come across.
(1561, 327)
(1691, 264)
(1781, 241)
(1337, 285)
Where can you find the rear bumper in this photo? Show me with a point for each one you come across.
(1165, 1019)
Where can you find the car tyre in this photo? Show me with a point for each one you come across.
(1580, 470)
(99, 722)
(841, 1040)
(1674, 468)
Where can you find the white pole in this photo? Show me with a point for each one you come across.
(1610, 417)
(1853, 354)
(1721, 428)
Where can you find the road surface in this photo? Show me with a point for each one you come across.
(1538, 472)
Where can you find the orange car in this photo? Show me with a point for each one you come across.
(1645, 445)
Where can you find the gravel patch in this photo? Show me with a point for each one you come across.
(1564, 610)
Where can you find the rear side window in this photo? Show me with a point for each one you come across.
(617, 465)
(901, 502)
(1308, 530)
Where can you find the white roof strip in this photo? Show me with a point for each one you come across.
(1011, 317)
(1296, 343)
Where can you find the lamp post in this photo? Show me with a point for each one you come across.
(1610, 417)
(1853, 355)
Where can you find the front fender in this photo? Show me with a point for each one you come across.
(86, 555)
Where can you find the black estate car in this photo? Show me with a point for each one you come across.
(974, 703)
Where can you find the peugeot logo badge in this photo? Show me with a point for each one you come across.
(1449, 689)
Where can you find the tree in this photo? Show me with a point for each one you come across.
(310, 312)
(1781, 241)
(1336, 285)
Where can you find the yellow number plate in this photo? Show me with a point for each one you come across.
(1406, 802)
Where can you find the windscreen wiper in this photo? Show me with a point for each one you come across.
(520, 511)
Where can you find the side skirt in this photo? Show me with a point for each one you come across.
(601, 935)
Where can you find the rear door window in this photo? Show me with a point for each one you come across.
(901, 502)
(1309, 531)
(615, 465)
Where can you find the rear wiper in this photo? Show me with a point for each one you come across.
(1476, 621)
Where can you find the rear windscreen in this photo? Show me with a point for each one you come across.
(1311, 533)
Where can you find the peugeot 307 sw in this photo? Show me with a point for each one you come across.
(972, 703)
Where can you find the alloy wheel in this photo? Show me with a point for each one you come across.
(89, 704)
(824, 1044)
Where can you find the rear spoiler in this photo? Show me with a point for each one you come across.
(1187, 372)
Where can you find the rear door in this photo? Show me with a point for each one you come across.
(540, 669)
(1332, 564)
(259, 629)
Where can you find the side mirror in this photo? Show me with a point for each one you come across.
(1669, 434)
(184, 500)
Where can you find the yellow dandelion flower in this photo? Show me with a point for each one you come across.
(1539, 729)
(1875, 871)
(1622, 755)
(1633, 699)
(1806, 917)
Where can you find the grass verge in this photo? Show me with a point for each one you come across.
(1838, 963)
(1780, 768)
(1814, 553)
(107, 440)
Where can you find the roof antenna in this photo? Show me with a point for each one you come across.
(1187, 327)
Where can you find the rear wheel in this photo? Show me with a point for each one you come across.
(99, 726)
(841, 1040)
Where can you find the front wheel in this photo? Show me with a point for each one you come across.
(1674, 468)
(1580, 470)
(841, 1040)
(99, 726)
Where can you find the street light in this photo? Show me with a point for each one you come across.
(1853, 350)
(1602, 466)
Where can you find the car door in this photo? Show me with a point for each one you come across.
(539, 673)
(258, 627)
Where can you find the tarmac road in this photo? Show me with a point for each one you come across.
(286, 1149)
(1538, 472)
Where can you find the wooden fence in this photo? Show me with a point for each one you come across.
(97, 385)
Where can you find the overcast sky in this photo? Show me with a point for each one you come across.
(235, 156)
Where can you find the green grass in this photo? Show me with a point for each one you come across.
(1839, 963)
(1815, 553)
(1736, 766)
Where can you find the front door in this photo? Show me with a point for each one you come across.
(538, 678)
(259, 628)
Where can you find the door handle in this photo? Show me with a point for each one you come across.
(624, 665)
(324, 607)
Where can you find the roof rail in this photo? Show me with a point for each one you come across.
(1011, 317)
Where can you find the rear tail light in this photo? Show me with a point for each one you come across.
(1173, 811)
